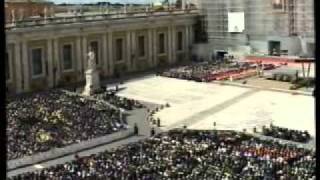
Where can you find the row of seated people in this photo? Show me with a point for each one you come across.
(45, 120)
(189, 155)
(209, 72)
(287, 134)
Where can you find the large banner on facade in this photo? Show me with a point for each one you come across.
(236, 22)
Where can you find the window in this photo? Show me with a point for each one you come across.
(36, 61)
(161, 43)
(180, 41)
(119, 49)
(67, 56)
(141, 46)
(95, 48)
(7, 66)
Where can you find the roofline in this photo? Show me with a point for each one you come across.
(42, 2)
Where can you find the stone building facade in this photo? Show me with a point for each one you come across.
(22, 9)
(284, 25)
(54, 53)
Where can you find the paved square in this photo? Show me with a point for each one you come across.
(198, 105)
(262, 108)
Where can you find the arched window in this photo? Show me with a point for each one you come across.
(161, 40)
(119, 49)
(179, 41)
(67, 56)
(37, 61)
(141, 45)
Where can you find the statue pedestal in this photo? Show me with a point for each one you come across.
(92, 82)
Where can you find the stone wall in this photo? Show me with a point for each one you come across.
(51, 37)
(263, 23)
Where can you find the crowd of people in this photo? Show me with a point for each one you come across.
(42, 121)
(287, 134)
(121, 102)
(209, 71)
(191, 72)
(189, 155)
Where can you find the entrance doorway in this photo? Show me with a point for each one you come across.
(220, 55)
(274, 48)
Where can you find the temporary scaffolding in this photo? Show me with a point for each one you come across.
(286, 21)
(261, 18)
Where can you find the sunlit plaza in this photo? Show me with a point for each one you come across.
(198, 105)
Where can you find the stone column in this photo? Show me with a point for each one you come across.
(150, 48)
(128, 52)
(134, 54)
(104, 59)
(26, 66)
(170, 41)
(191, 34)
(18, 65)
(110, 57)
(174, 44)
(84, 53)
(57, 65)
(79, 59)
(155, 47)
(50, 63)
(187, 43)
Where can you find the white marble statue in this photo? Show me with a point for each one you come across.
(92, 75)
(91, 60)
